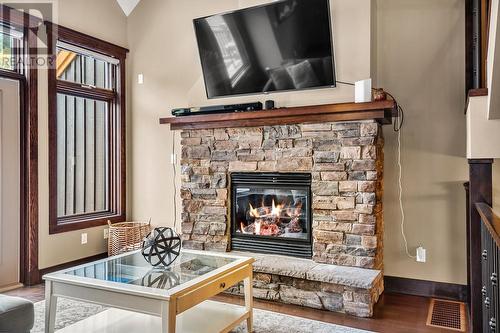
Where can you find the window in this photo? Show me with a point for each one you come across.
(11, 43)
(231, 54)
(86, 131)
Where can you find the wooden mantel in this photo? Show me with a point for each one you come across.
(381, 111)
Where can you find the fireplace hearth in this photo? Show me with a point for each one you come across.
(271, 213)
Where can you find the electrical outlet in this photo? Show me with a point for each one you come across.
(140, 79)
(106, 233)
(421, 254)
(84, 238)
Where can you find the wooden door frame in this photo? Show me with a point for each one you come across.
(28, 91)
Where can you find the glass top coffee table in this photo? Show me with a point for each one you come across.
(139, 293)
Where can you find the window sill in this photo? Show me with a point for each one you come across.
(82, 222)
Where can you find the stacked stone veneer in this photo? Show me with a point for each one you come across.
(320, 286)
(346, 163)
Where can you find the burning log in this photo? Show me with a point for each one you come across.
(273, 220)
(294, 226)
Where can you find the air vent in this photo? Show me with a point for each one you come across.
(447, 315)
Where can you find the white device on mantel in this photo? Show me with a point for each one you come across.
(363, 91)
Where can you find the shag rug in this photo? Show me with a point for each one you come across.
(70, 312)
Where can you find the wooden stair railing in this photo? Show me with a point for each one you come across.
(480, 190)
(490, 264)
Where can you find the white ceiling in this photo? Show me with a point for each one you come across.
(128, 5)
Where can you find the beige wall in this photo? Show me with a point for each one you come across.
(496, 186)
(163, 48)
(421, 64)
(421, 61)
(105, 20)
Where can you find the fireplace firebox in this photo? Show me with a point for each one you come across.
(271, 213)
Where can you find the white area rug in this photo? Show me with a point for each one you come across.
(70, 312)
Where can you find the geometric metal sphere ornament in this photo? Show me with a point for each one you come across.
(161, 279)
(161, 247)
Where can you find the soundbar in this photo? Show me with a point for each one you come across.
(217, 109)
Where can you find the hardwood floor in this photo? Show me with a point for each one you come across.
(394, 313)
(34, 294)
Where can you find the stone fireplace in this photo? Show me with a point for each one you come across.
(345, 161)
(330, 211)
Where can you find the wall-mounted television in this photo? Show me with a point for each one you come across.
(280, 46)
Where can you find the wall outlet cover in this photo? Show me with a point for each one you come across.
(106, 233)
(421, 254)
(84, 238)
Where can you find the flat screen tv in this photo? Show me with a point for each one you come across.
(283, 45)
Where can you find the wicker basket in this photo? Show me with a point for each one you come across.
(126, 236)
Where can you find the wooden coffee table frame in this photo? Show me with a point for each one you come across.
(166, 304)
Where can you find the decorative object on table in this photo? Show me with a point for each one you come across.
(126, 236)
(269, 104)
(363, 91)
(161, 247)
(379, 94)
(161, 279)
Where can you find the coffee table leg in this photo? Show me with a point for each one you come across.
(249, 300)
(168, 317)
(50, 308)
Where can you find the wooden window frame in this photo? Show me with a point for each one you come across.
(28, 86)
(117, 161)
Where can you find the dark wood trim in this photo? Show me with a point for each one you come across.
(73, 263)
(490, 220)
(117, 179)
(467, 226)
(33, 275)
(475, 93)
(84, 222)
(469, 81)
(406, 286)
(381, 111)
(78, 90)
(485, 27)
(480, 191)
(18, 19)
(11, 75)
(478, 92)
(28, 86)
(85, 41)
(477, 23)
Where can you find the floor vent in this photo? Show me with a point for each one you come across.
(447, 314)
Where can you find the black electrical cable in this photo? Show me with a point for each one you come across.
(400, 115)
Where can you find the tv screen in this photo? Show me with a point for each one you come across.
(284, 45)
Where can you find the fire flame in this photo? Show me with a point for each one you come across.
(268, 218)
(254, 212)
(276, 210)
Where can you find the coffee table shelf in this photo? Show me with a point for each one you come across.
(213, 317)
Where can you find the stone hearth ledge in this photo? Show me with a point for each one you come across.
(344, 289)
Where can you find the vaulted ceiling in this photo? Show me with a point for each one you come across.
(128, 5)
